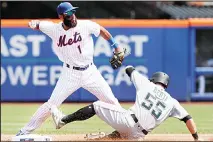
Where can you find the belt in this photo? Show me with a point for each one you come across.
(136, 121)
(79, 68)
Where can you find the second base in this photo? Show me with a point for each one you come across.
(31, 137)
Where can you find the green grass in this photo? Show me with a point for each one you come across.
(15, 116)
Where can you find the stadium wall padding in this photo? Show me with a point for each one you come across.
(30, 69)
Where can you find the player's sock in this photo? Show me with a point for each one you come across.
(82, 114)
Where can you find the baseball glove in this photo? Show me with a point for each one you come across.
(101, 136)
(117, 58)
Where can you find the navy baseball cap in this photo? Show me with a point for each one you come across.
(65, 7)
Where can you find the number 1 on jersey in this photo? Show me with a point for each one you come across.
(79, 48)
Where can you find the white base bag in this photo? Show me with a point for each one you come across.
(31, 138)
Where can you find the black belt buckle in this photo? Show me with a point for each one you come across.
(136, 121)
(79, 68)
(68, 65)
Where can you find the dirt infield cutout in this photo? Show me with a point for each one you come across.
(151, 137)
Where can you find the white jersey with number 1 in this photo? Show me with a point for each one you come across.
(74, 46)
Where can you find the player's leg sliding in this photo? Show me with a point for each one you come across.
(82, 114)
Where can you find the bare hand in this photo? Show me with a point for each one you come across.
(34, 24)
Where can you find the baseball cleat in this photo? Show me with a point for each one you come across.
(57, 116)
(21, 133)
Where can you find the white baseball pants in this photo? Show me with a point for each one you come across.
(120, 119)
(69, 81)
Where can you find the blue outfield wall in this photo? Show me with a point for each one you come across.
(30, 69)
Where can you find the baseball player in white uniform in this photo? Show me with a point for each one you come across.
(153, 105)
(73, 44)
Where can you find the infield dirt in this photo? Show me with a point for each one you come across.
(151, 137)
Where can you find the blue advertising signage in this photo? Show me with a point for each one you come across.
(30, 68)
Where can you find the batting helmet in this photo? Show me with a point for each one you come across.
(160, 77)
(65, 7)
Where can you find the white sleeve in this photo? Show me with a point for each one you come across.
(138, 80)
(93, 27)
(47, 27)
(178, 111)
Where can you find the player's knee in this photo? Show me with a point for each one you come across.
(53, 102)
(50, 104)
(47, 104)
(115, 102)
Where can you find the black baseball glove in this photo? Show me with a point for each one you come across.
(117, 58)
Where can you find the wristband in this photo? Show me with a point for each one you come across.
(195, 136)
(185, 119)
(113, 43)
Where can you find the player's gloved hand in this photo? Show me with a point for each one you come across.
(34, 24)
(117, 58)
(114, 135)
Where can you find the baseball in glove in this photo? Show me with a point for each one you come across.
(117, 58)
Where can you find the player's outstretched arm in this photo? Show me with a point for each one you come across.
(119, 53)
(107, 36)
(137, 79)
(34, 24)
(180, 113)
(47, 27)
(192, 129)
